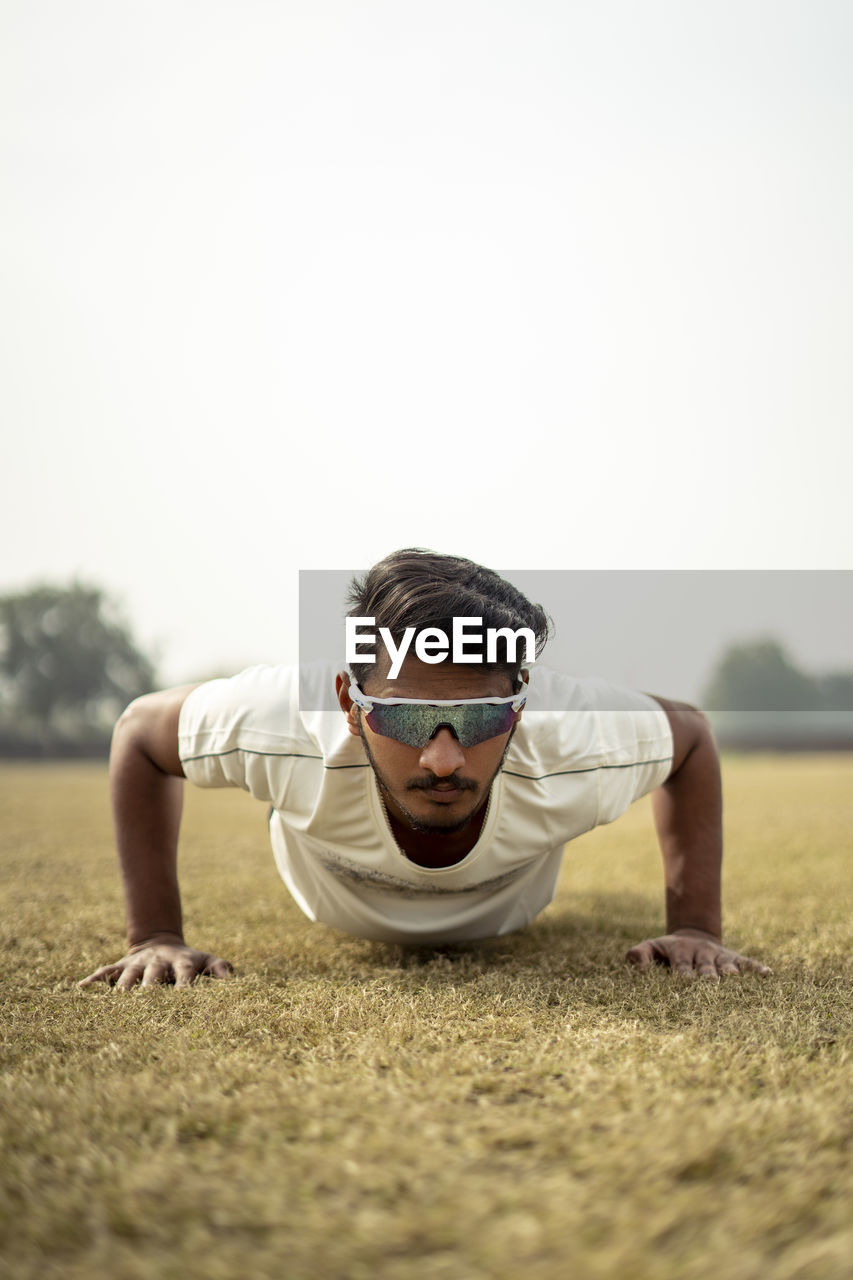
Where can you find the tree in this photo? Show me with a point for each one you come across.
(68, 663)
(759, 676)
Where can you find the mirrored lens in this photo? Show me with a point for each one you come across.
(415, 725)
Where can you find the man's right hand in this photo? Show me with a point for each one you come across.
(163, 959)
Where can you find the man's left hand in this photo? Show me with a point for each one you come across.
(693, 953)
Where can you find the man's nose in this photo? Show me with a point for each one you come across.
(443, 754)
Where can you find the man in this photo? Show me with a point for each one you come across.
(434, 805)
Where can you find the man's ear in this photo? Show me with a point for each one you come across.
(346, 703)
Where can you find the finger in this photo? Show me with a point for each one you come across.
(747, 965)
(216, 968)
(684, 959)
(726, 965)
(641, 956)
(155, 972)
(705, 962)
(184, 971)
(130, 977)
(680, 954)
(106, 973)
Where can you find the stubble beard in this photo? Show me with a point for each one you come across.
(426, 825)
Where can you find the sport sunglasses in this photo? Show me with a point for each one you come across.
(414, 721)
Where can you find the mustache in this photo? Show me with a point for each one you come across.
(430, 780)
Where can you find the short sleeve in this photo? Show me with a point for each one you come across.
(635, 752)
(245, 732)
(617, 739)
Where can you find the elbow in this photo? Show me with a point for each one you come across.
(135, 730)
(148, 727)
(132, 718)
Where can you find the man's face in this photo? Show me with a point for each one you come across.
(440, 787)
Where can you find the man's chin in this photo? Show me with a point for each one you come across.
(436, 826)
(438, 819)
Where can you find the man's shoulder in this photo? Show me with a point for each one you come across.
(258, 688)
(557, 692)
(582, 722)
(266, 703)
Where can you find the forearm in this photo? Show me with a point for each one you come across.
(147, 807)
(688, 816)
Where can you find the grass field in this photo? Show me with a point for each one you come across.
(344, 1110)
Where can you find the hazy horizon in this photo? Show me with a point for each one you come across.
(286, 288)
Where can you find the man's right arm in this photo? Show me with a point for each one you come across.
(146, 787)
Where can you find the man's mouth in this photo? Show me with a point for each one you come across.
(444, 793)
(443, 790)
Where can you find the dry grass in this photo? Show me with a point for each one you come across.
(346, 1110)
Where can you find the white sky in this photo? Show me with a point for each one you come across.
(288, 285)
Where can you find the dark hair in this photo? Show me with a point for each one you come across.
(418, 588)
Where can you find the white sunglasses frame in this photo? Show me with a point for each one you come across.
(366, 701)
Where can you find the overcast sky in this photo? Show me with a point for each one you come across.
(287, 285)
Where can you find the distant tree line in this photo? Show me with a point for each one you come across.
(758, 700)
(759, 675)
(68, 667)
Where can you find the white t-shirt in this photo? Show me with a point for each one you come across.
(565, 772)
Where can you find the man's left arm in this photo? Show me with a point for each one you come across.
(688, 812)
